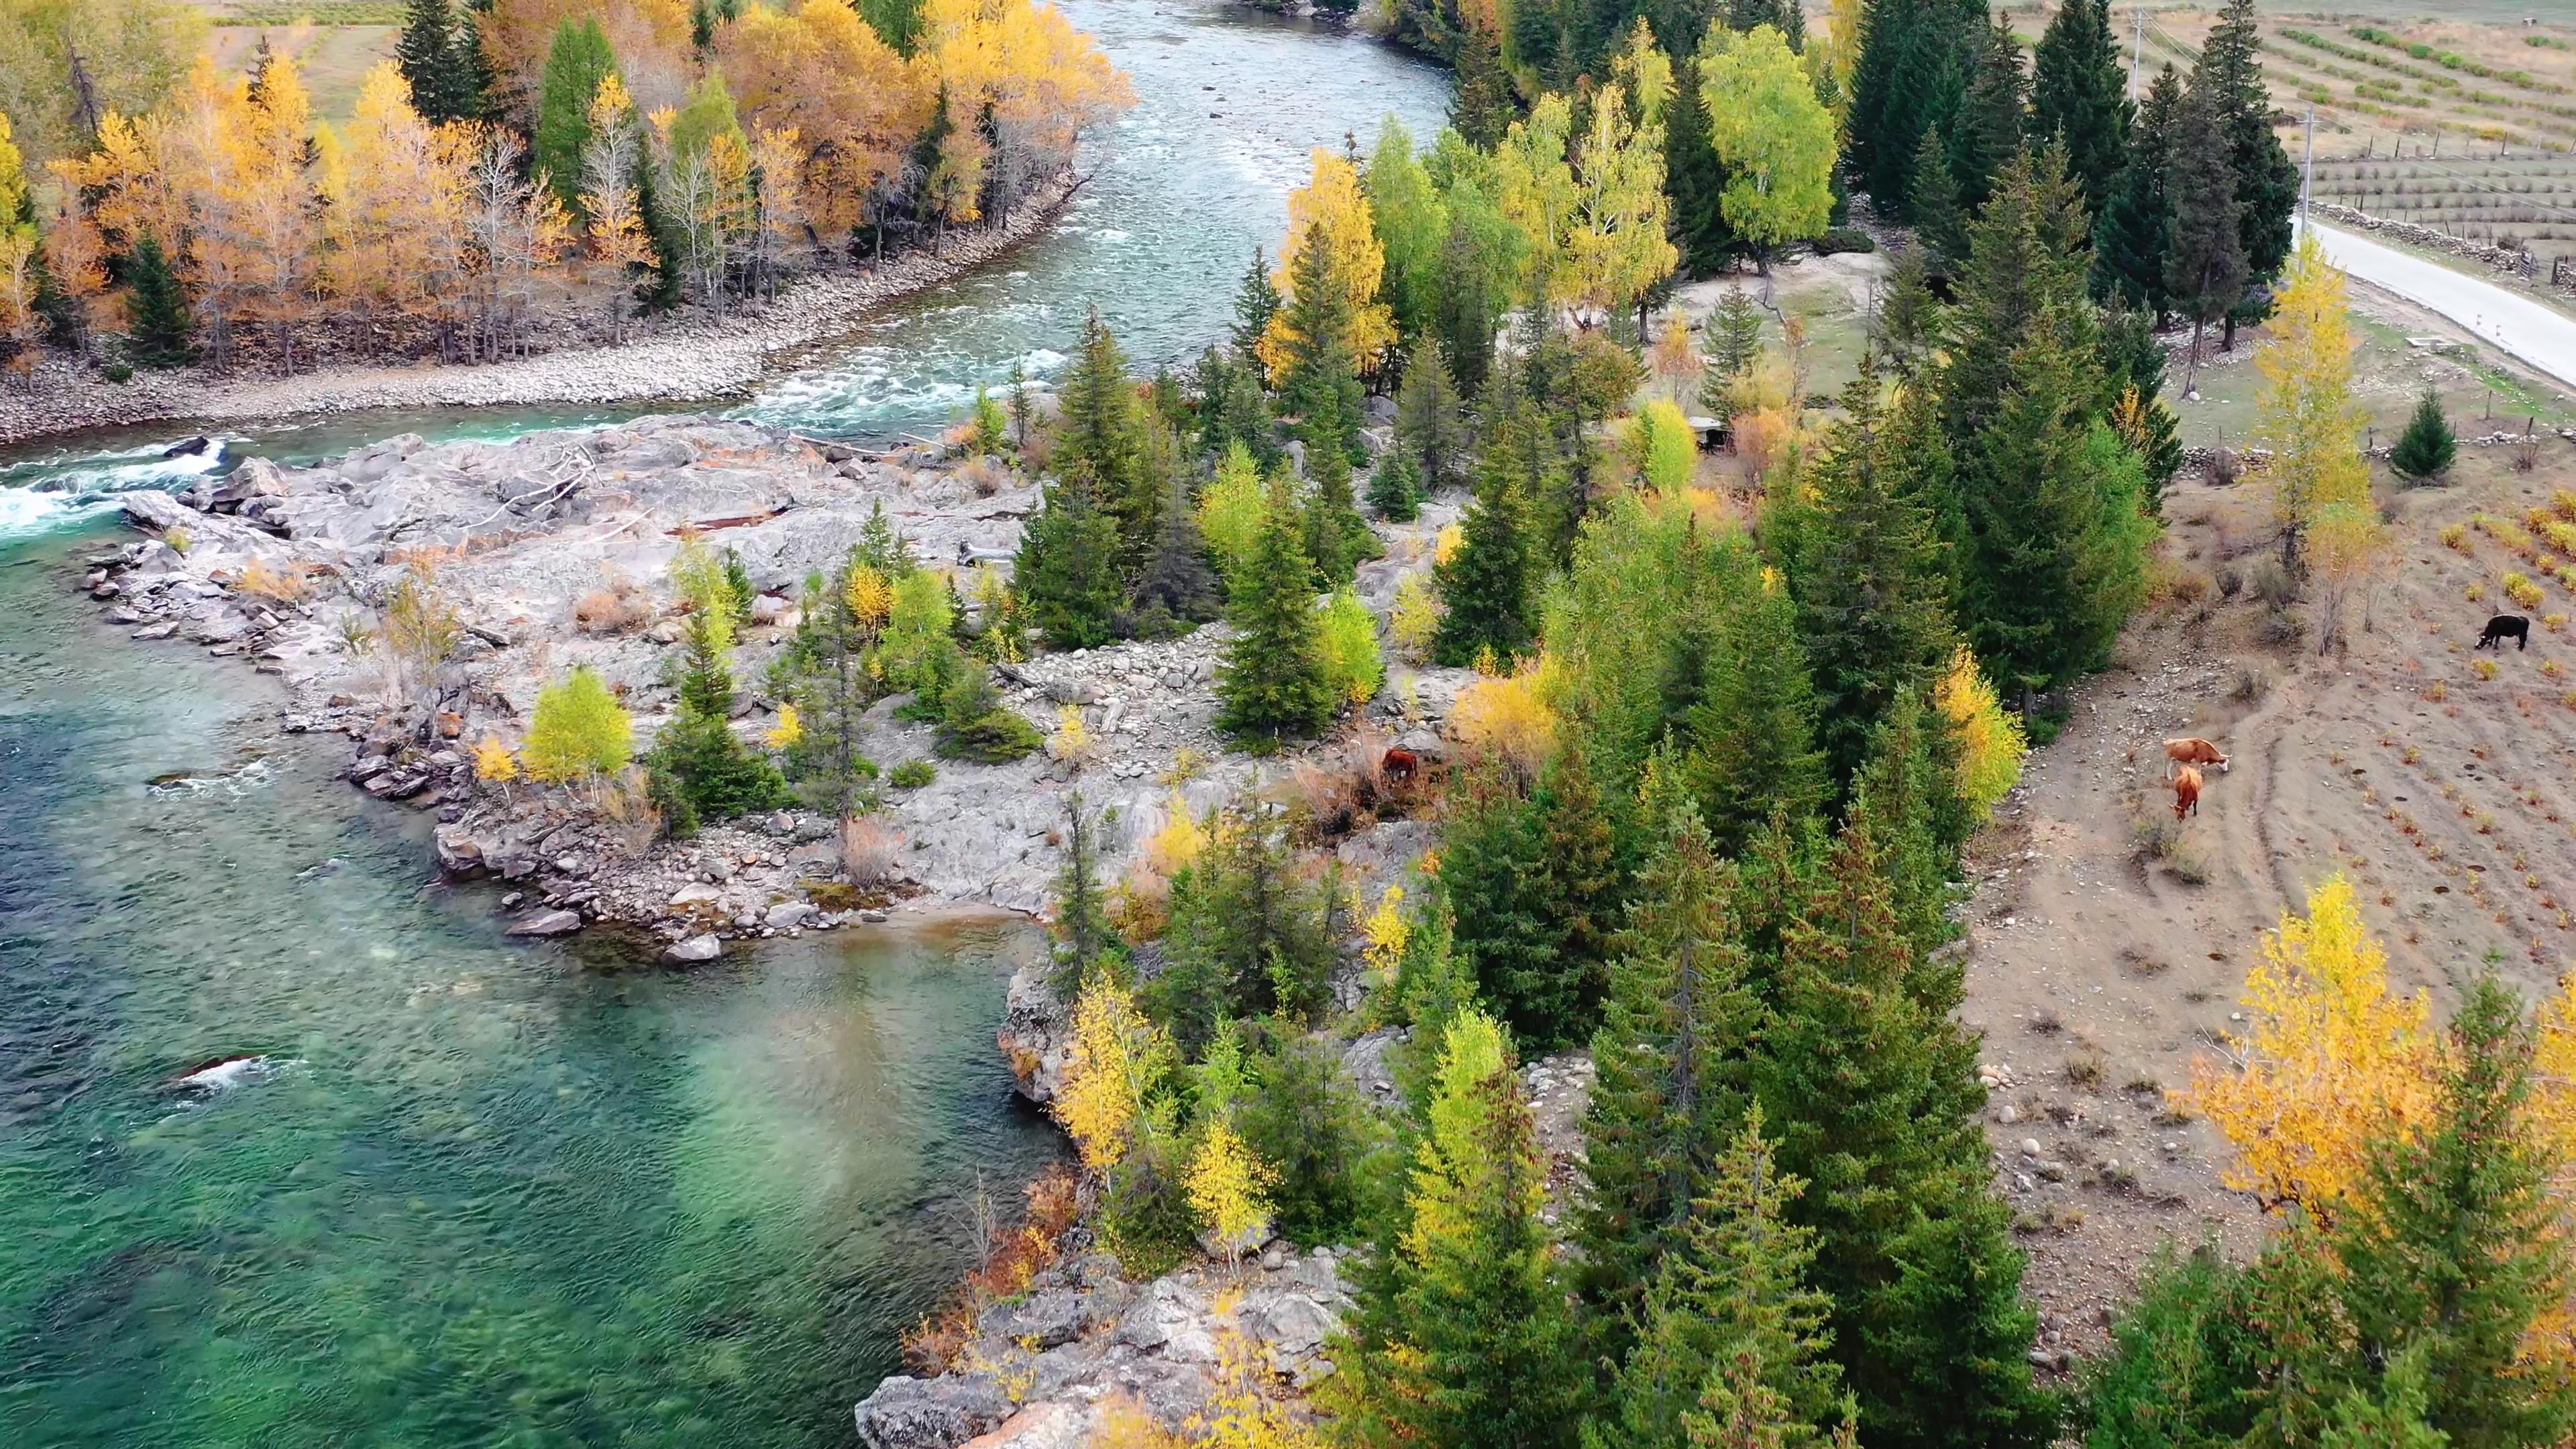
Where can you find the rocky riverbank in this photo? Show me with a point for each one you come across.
(694, 359)
(554, 550)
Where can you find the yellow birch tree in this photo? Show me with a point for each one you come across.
(2308, 416)
(1332, 201)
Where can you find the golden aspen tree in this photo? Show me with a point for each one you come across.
(396, 192)
(1832, 55)
(1620, 249)
(271, 197)
(1332, 202)
(777, 200)
(1539, 194)
(2330, 1060)
(1228, 1188)
(2307, 412)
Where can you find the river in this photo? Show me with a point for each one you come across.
(477, 1193)
(1183, 186)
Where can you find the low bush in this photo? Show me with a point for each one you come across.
(1838, 240)
(913, 774)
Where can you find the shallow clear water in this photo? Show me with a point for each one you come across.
(477, 1194)
(484, 1194)
(1183, 186)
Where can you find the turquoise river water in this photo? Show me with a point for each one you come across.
(477, 1193)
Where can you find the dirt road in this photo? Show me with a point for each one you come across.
(2542, 337)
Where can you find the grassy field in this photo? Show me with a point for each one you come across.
(336, 41)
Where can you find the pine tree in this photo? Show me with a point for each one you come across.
(1067, 570)
(1695, 178)
(1871, 589)
(1462, 1336)
(1993, 116)
(1580, 829)
(2424, 451)
(2076, 98)
(1671, 1072)
(1752, 749)
(1482, 102)
(2266, 184)
(2457, 1248)
(1877, 1108)
(2205, 261)
(159, 324)
(576, 63)
(1731, 345)
(2133, 225)
(1273, 682)
(825, 673)
(1233, 408)
(1908, 798)
(1729, 1316)
(1428, 426)
(1256, 301)
(1081, 928)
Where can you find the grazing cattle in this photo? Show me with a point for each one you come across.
(2186, 792)
(2505, 626)
(2192, 751)
(1400, 764)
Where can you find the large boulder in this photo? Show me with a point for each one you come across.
(940, 1413)
(459, 854)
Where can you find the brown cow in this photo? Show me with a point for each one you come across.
(2192, 751)
(1400, 764)
(2186, 792)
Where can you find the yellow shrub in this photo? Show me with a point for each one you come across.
(2522, 591)
(1991, 742)
(2563, 503)
(1415, 621)
(1509, 716)
(288, 585)
(2456, 535)
(2486, 668)
(1175, 847)
(2476, 592)
(789, 729)
(1445, 547)
(494, 762)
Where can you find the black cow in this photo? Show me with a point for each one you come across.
(2506, 626)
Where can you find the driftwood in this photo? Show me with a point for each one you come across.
(710, 525)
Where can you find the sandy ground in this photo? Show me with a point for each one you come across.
(2100, 972)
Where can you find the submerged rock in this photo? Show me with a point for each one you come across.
(546, 923)
(702, 947)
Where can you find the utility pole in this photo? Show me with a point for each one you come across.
(2308, 171)
(2137, 49)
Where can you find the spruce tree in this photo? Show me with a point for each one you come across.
(1395, 488)
(2133, 225)
(1319, 388)
(1478, 259)
(1482, 101)
(1462, 1336)
(697, 759)
(1272, 683)
(1493, 872)
(1907, 796)
(1871, 588)
(1581, 829)
(2266, 183)
(2456, 1246)
(1913, 67)
(1730, 346)
(1488, 584)
(159, 325)
(1695, 179)
(2022, 283)
(1993, 116)
(1102, 435)
(1877, 1106)
(1177, 585)
(1081, 928)
(1752, 749)
(2205, 262)
(1234, 408)
(1428, 426)
(1940, 222)
(1256, 301)
(1067, 570)
(2076, 98)
(824, 670)
(2423, 453)
(577, 61)
(1671, 1072)
(1729, 1317)
(1337, 538)
(441, 61)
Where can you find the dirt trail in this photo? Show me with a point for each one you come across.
(2107, 946)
